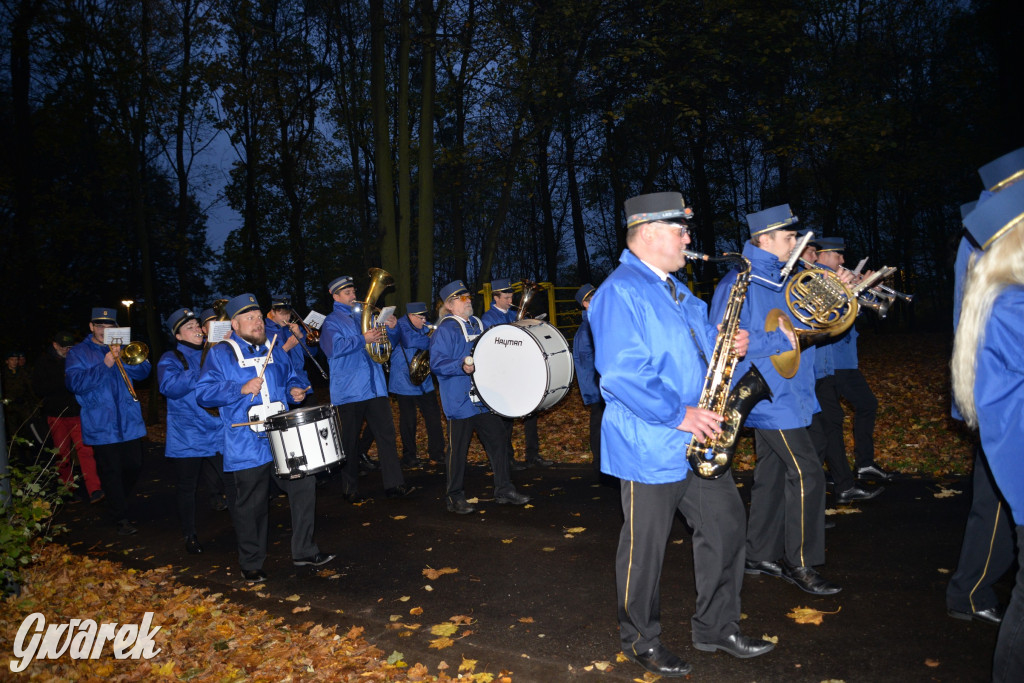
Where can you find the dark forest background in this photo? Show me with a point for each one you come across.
(447, 139)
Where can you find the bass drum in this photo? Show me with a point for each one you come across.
(521, 367)
(304, 441)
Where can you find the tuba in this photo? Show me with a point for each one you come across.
(380, 280)
(712, 458)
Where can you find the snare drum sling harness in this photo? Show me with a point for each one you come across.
(266, 407)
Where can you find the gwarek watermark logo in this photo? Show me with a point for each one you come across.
(82, 639)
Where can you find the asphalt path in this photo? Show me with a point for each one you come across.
(538, 581)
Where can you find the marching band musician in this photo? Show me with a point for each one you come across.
(850, 381)
(651, 340)
(987, 549)
(359, 391)
(410, 336)
(452, 364)
(586, 374)
(501, 312)
(195, 437)
(290, 335)
(988, 383)
(827, 424)
(786, 529)
(111, 418)
(230, 380)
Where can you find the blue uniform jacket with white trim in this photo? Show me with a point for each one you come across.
(999, 397)
(583, 358)
(109, 413)
(295, 354)
(650, 352)
(406, 340)
(448, 349)
(492, 316)
(793, 400)
(354, 375)
(220, 386)
(192, 432)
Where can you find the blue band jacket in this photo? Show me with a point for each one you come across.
(354, 375)
(192, 432)
(109, 414)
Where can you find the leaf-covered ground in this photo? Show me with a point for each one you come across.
(215, 639)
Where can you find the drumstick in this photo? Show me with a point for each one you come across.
(246, 424)
(266, 359)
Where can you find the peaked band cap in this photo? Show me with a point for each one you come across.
(340, 283)
(179, 318)
(416, 308)
(64, 338)
(280, 301)
(830, 244)
(967, 208)
(104, 315)
(657, 206)
(241, 304)
(585, 292)
(775, 218)
(207, 315)
(1005, 171)
(453, 288)
(991, 219)
(502, 284)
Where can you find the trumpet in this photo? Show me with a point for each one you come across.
(134, 353)
(312, 334)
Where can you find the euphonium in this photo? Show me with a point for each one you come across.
(712, 458)
(530, 288)
(380, 280)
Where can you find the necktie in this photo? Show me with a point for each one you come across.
(672, 289)
(256, 349)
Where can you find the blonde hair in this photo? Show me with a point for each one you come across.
(988, 274)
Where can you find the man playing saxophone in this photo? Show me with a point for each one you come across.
(652, 339)
(786, 530)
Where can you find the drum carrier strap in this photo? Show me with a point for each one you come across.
(266, 407)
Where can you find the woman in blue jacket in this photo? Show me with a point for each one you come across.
(988, 382)
(193, 433)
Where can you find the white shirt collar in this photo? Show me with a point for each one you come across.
(657, 271)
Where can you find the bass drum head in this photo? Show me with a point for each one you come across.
(513, 366)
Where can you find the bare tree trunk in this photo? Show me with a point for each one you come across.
(547, 215)
(403, 275)
(382, 144)
(579, 229)
(425, 223)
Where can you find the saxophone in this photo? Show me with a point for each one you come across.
(713, 458)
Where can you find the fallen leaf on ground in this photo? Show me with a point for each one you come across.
(526, 620)
(433, 574)
(441, 643)
(931, 662)
(808, 615)
(467, 665)
(445, 629)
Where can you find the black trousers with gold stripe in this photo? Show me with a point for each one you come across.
(987, 550)
(787, 501)
(715, 512)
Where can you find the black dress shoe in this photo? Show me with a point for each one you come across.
(315, 561)
(660, 660)
(809, 580)
(126, 528)
(410, 462)
(538, 461)
(365, 463)
(403, 491)
(517, 465)
(856, 493)
(738, 645)
(512, 498)
(460, 507)
(763, 567)
(829, 524)
(355, 497)
(254, 575)
(873, 472)
(992, 615)
(192, 545)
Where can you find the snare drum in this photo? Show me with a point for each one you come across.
(304, 441)
(521, 367)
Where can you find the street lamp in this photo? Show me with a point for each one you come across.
(127, 303)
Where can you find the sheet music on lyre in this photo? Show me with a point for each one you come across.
(315, 320)
(219, 330)
(117, 336)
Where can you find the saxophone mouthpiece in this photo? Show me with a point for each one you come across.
(695, 255)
